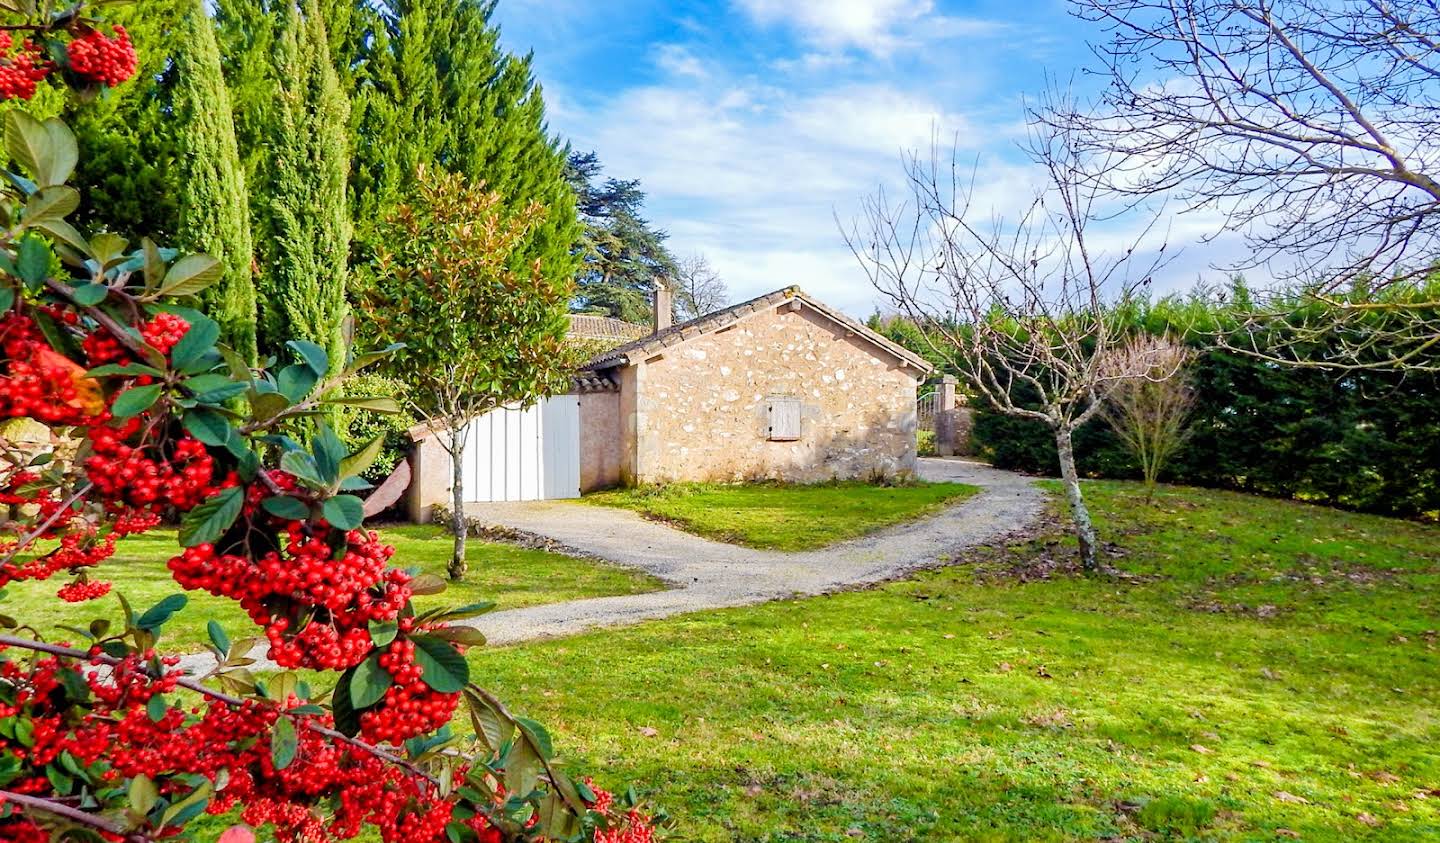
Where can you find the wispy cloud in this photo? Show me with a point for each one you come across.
(874, 26)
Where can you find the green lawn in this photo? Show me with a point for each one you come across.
(1269, 672)
(777, 516)
(511, 576)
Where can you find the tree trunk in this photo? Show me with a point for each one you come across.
(458, 566)
(1084, 527)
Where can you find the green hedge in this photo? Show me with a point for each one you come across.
(1361, 440)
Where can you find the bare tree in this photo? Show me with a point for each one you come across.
(1019, 309)
(1312, 127)
(1149, 413)
(699, 289)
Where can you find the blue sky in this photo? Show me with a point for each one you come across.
(752, 124)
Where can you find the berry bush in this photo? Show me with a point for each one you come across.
(148, 418)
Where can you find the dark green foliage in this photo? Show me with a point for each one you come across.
(623, 254)
(303, 279)
(128, 143)
(1367, 440)
(360, 426)
(214, 205)
(433, 87)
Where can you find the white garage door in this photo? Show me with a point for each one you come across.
(525, 455)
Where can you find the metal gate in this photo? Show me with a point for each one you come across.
(514, 454)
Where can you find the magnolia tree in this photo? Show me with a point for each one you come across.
(131, 413)
(471, 332)
(1018, 308)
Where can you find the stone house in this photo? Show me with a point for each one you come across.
(781, 387)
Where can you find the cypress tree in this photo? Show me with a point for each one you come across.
(434, 87)
(214, 212)
(303, 292)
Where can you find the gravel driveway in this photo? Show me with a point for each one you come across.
(712, 575)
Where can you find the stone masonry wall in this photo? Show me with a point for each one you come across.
(700, 411)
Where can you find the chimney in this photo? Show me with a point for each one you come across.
(664, 305)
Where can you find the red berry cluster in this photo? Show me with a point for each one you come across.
(96, 57)
(632, 827)
(161, 333)
(81, 590)
(315, 603)
(21, 70)
(39, 383)
(410, 707)
(128, 471)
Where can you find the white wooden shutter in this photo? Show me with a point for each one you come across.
(784, 419)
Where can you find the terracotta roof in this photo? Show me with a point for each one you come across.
(588, 381)
(584, 326)
(648, 346)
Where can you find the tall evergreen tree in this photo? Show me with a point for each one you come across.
(434, 87)
(309, 224)
(622, 254)
(214, 212)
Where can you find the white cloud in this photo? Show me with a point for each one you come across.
(754, 175)
(874, 26)
(677, 60)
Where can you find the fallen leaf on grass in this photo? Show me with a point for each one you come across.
(648, 731)
(1285, 832)
(1384, 777)
(1005, 667)
(1367, 819)
(1201, 748)
(1285, 796)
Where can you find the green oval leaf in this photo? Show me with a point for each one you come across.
(284, 743)
(346, 512)
(198, 339)
(442, 666)
(157, 615)
(190, 275)
(51, 203)
(313, 355)
(218, 636)
(287, 507)
(135, 400)
(383, 632)
(208, 426)
(369, 683)
(209, 521)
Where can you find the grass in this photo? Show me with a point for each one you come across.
(513, 577)
(1265, 670)
(775, 516)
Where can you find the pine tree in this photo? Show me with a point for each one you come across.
(214, 212)
(309, 223)
(435, 88)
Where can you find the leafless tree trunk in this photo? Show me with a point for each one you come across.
(1149, 413)
(1019, 308)
(1311, 127)
(699, 288)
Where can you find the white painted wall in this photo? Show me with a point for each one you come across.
(515, 454)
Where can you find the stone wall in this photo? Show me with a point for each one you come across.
(699, 411)
(600, 451)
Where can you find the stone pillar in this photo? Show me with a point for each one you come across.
(946, 427)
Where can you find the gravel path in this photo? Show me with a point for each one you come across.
(712, 575)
